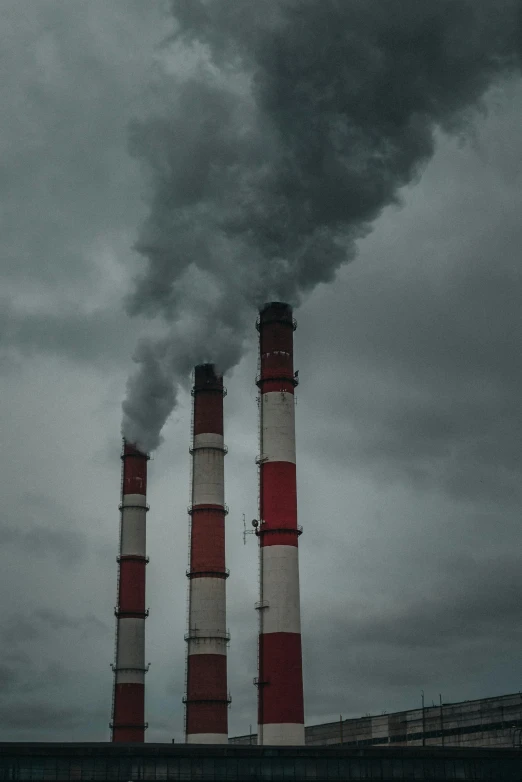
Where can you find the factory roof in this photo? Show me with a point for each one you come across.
(225, 763)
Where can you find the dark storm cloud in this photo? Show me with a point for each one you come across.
(22, 715)
(41, 650)
(58, 620)
(413, 389)
(389, 644)
(432, 392)
(415, 397)
(476, 598)
(281, 147)
(42, 622)
(25, 677)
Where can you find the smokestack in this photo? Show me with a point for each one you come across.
(280, 679)
(206, 714)
(128, 707)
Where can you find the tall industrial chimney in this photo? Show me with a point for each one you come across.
(206, 714)
(128, 707)
(280, 678)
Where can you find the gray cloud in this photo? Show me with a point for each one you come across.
(408, 452)
(23, 716)
(290, 134)
(68, 546)
(58, 620)
(72, 77)
(99, 337)
(8, 678)
(43, 675)
(408, 421)
(386, 646)
(57, 536)
(475, 599)
(432, 391)
(44, 621)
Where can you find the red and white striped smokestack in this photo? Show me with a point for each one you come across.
(206, 715)
(128, 708)
(280, 679)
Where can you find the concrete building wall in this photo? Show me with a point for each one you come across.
(489, 722)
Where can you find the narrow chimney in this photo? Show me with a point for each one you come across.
(206, 713)
(128, 707)
(280, 679)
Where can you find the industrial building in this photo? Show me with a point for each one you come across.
(217, 763)
(488, 722)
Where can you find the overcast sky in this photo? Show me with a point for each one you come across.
(408, 410)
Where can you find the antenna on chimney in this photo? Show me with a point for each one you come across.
(255, 525)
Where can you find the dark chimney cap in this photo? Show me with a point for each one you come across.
(207, 379)
(276, 312)
(131, 449)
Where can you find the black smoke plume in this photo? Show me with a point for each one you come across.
(290, 125)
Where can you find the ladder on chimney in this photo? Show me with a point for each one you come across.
(117, 590)
(258, 680)
(187, 601)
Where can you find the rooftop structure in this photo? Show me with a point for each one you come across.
(215, 763)
(488, 722)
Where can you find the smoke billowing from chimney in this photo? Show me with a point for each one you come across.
(291, 125)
